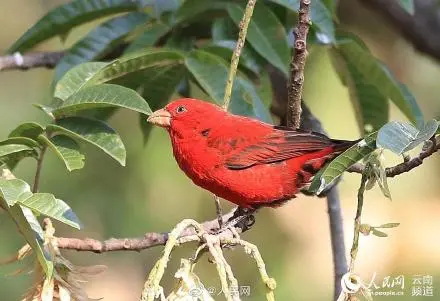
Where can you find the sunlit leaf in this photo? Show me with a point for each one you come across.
(94, 132)
(76, 78)
(13, 190)
(104, 95)
(48, 205)
(265, 33)
(67, 149)
(337, 166)
(400, 137)
(211, 73)
(21, 140)
(28, 129)
(99, 41)
(378, 233)
(64, 17)
(388, 225)
(7, 149)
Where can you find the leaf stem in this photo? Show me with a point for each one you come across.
(237, 51)
(36, 185)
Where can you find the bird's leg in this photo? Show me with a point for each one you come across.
(242, 218)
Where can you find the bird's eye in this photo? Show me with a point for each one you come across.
(180, 109)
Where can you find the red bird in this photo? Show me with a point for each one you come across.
(243, 160)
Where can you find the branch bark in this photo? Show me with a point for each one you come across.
(138, 244)
(297, 65)
(29, 60)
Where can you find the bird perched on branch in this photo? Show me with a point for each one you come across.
(243, 160)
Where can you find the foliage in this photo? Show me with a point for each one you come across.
(165, 52)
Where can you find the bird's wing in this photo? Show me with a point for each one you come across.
(281, 144)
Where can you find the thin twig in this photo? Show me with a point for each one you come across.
(30, 60)
(147, 241)
(36, 185)
(237, 51)
(218, 211)
(404, 166)
(297, 65)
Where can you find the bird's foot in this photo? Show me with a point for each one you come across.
(242, 218)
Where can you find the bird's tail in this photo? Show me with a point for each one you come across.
(341, 146)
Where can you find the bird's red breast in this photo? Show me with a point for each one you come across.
(243, 160)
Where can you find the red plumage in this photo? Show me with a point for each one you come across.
(243, 160)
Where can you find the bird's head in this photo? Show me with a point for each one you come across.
(186, 114)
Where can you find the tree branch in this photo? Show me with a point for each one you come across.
(29, 60)
(297, 65)
(432, 147)
(147, 241)
(421, 30)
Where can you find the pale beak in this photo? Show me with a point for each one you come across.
(160, 118)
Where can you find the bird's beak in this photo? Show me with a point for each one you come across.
(160, 118)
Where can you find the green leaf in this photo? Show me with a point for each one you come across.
(94, 132)
(48, 205)
(148, 38)
(13, 190)
(320, 15)
(192, 8)
(223, 29)
(211, 72)
(265, 33)
(28, 129)
(376, 74)
(31, 230)
(400, 137)
(101, 40)
(337, 166)
(89, 75)
(8, 149)
(378, 233)
(161, 6)
(388, 225)
(225, 48)
(371, 107)
(408, 5)
(21, 140)
(76, 78)
(63, 18)
(66, 149)
(104, 95)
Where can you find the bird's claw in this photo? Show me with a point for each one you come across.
(242, 218)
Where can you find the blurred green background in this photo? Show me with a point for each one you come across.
(152, 194)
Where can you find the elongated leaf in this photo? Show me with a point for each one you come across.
(161, 6)
(31, 230)
(342, 162)
(408, 5)
(148, 38)
(66, 149)
(100, 41)
(63, 18)
(75, 79)
(224, 48)
(211, 73)
(28, 129)
(320, 15)
(356, 54)
(21, 140)
(265, 33)
(48, 205)
(401, 137)
(223, 29)
(94, 132)
(192, 8)
(8, 149)
(371, 107)
(105, 95)
(13, 190)
(95, 74)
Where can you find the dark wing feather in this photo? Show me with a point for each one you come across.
(282, 144)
